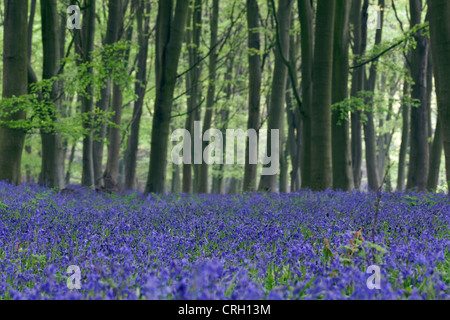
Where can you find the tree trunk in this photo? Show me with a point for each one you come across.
(111, 175)
(405, 137)
(384, 139)
(373, 176)
(169, 39)
(429, 97)
(294, 120)
(111, 37)
(69, 167)
(435, 158)
(268, 183)
(210, 100)
(284, 164)
(307, 44)
(254, 96)
(143, 25)
(193, 40)
(419, 155)
(234, 186)
(15, 83)
(439, 16)
(218, 186)
(52, 169)
(321, 154)
(342, 160)
(84, 47)
(359, 21)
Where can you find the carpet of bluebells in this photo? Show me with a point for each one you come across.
(295, 246)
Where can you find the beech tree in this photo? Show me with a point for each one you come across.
(321, 153)
(52, 172)
(439, 14)
(342, 161)
(143, 28)
(169, 39)
(15, 83)
(254, 96)
(268, 183)
(419, 161)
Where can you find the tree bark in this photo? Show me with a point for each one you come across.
(169, 39)
(342, 160)
(307, 47)
(268, 183)
(52, 169)
(419, 155)
(254, 95)
(84, 47)
(218, 186)
(203, 183)
(439, 16)
(294, 142)
(359, 21)
(321, 153)
(435, 158)
(373, 176)
(283, 161)
(193, 88)
(405, 137)
(111, 37)
(143, 25)
(111, 175)
(15, 83)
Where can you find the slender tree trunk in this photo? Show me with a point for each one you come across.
(210, 100)
(176, 182)
(32, 79)
(218, 186)
(143, 25)
(69, 167)
(435, 158)
(234, 186)
(15, 83)
(307, 45)
(439, 16)
(176, 173)
(321, 154)
(111, 37)
(111, 175)
(169, 39)
(52, 170)
(384, 139)
(373, 176)
(268, 183)
(84, 47)
(284, 164)
(254, 96)
(429, 97)
(419, 156)
(405, 137)
(342, 160)
(193, 38)
(294, 119)
(359, 21)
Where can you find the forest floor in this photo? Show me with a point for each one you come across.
(296, 246)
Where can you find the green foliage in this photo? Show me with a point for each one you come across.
(40, 105)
